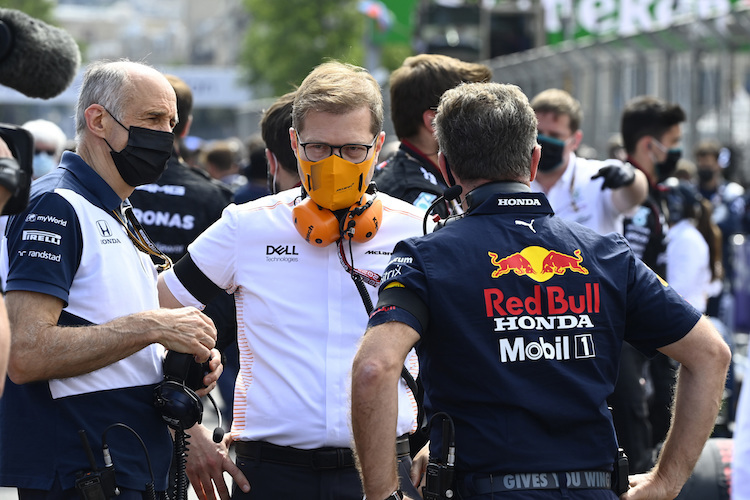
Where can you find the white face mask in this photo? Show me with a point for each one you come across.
(43, 164)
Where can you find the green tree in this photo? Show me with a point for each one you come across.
(40, 9)
(287, 38)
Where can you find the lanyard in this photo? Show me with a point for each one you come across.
(138, 235)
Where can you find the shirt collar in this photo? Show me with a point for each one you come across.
(95, 189)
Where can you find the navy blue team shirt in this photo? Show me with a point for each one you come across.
(67, 244)
(520, 342)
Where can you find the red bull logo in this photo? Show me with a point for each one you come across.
(537, 263)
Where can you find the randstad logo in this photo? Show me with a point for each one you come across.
(537, 263)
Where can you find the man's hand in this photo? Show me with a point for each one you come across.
(419, 466)
(616, 174)
(649, 486)
(215, 370)
(206, 463)
(183, 330)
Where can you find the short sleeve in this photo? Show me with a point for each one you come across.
(45, 245)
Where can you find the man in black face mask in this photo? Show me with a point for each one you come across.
(88, 334)
(651, 132)
(591, 192)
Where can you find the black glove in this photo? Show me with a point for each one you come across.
(616, 174)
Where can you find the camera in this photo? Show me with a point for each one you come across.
(15, 173)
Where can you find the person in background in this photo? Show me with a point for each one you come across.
(529, 419)
(652, 133)
(594, 193)
(729, 205)
(412, 173)
(49, 144)
(222, 162)
(274, 128)
(255, 172)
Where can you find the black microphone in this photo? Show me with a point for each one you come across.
(36, 59)
(449, 194)
(218, 431)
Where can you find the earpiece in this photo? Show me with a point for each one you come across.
(317, 225)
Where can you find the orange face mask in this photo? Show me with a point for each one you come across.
(335, 183)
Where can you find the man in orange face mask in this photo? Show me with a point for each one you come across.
(304, 265)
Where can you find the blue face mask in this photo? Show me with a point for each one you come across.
(43, 163)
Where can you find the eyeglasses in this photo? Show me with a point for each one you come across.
(355, 153)
(138, 236)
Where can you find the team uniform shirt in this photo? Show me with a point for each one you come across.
(646, 229)
(299, 317)
(688, 263)
(68, 244)
(524, 355)
(579, 198)
(411, 176)
(179, 206)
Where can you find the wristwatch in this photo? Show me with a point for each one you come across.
(396, 495)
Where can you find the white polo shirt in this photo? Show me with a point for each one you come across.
(688, 263)
(299, 318)
(578, 198)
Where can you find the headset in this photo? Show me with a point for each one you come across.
(320, 226)
(175, 396)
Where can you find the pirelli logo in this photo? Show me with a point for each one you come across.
(42, 236)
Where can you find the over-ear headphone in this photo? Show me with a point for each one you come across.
(180, 406)
(320, 227)
(175, 396)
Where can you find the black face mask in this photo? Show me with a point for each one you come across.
(705, 175)
(668, 167)
(552, 153)
(145, 157)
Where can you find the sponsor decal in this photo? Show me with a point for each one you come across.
(537, 263)
(401, 260)
(166, 189)
(562, 348)
(103, 228)
(586, 479)
(512, 202)
(34, 254)
(378, 252)
(391, 273)
(281, 250)
(46, 218)
(164, 219)
(281, 253)
(544, 301)
(41, 236)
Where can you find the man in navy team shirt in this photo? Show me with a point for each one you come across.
(518, 318)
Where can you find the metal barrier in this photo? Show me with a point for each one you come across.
(702, 64)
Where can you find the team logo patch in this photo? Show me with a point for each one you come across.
(537, 263)
(103, 228)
